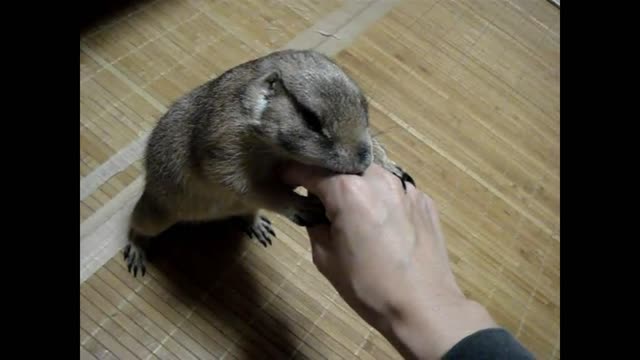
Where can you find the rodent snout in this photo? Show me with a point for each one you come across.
(353, 160)
(364, 153)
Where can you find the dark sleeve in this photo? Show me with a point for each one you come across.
(495, 344)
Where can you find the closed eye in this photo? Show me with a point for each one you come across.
(310, 118)
(312, 121)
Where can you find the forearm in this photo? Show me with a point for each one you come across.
(430, 333)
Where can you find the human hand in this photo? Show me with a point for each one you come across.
(385, 254)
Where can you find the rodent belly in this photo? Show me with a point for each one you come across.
(211, 209)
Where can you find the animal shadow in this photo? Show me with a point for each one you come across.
(202, 263)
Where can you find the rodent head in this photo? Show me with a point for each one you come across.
(314, 115)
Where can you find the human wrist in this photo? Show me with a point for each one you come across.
(428, 332)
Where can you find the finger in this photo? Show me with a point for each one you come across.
(412, 191)
(310, 177)
(374, 171)
(434, 215)
(319, 256)
(383, 180)
(319, 236)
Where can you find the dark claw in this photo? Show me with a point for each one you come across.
(135, 271)
(260, 230)
(271, 231)
(261, 238)
(406, 177)
(127, 249)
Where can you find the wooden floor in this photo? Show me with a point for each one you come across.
(465, 96)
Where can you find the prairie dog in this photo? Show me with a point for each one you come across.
(213, 154)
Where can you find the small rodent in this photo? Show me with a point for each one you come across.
(213, 155)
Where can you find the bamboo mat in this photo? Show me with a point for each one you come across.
(465, 96)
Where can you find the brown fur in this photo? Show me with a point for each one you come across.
(214, 153)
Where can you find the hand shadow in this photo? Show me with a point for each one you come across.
(202, 264)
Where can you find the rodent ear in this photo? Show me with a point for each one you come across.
(271, 80)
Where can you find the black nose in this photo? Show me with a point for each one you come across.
(363, 153)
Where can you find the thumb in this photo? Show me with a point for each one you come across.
(319, 238)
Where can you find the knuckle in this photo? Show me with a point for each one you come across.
(350, 185)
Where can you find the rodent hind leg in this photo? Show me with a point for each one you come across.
(147, 221)
(380, 158)
(135, 254)
(259, 226)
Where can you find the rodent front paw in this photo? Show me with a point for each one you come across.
(261, 228)
(312, 214)
(135, 258)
